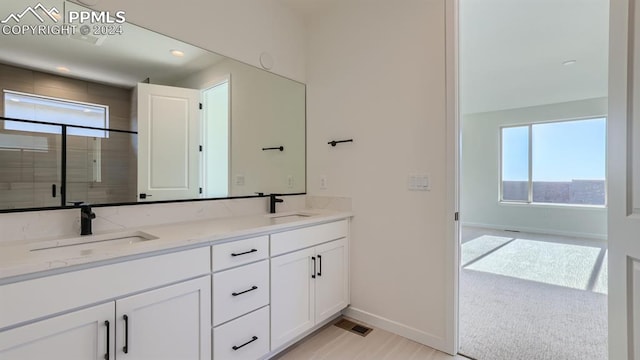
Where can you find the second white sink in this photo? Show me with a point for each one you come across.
(284, 218)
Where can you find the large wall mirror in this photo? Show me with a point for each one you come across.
(112, 114)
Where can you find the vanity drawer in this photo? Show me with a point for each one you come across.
(244, 338)
(288, 241)
(33, 299)
(239, 252)
(240, 290)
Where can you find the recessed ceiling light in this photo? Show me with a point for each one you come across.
(14, 100)
(569, 62)
(87, 110)
(176, 53)
(63, 69)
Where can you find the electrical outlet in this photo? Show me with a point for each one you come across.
(240, 180)
(323, 182)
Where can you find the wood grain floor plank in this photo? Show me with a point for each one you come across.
(333, 343)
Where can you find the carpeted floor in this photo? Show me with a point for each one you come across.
(531, 299)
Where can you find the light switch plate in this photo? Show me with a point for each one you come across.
(419, 182)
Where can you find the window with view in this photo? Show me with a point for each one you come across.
(557, 162)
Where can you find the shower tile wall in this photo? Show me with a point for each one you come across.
(27, 176)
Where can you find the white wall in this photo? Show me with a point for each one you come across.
(480, 175)
(376, 73)
(240, 29)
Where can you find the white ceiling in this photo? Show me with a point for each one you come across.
(511, 52)
(119, 60)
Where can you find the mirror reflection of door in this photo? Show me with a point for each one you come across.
(215, 126)
(168, 143)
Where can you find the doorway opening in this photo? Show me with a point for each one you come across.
(533, 203)
(215, 154)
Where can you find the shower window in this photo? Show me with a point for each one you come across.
(59, 111)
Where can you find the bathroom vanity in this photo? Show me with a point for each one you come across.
(236, 288)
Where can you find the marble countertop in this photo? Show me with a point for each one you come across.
(43, 256)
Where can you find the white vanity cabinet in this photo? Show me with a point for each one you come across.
(86, 334)
(226, 300)
(310, 285)
(166, 322)
(241, 299)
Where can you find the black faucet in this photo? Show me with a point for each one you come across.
(86, 215)
(272, 203)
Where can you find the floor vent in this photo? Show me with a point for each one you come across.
(353, 327)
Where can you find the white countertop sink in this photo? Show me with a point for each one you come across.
(34, 258)
(121, 238)
(285, 218)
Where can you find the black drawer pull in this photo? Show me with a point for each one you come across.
(107, 355)
(125, 348)
(246, 291)
(313, 275)
(245, 344)
(320, 263)
(244, 253)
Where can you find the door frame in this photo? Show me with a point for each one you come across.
(622, 220)
(452, 274)
(618, 24)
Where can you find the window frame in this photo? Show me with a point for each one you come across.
(529, 200)
(105, 128)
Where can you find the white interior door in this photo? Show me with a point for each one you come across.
(624, 180)
(168, 142)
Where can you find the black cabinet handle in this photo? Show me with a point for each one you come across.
(125, 348)
(313, 276)
(244, 292)
(107, 355)
(245, 344)
(244, 253)
(320, 263)
(53, 190)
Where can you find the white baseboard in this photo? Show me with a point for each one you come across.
(395, 327)
(285, 347)
(538, 231)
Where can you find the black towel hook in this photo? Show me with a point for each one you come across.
(334, 142)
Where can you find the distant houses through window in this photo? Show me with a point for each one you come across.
(561, 162)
